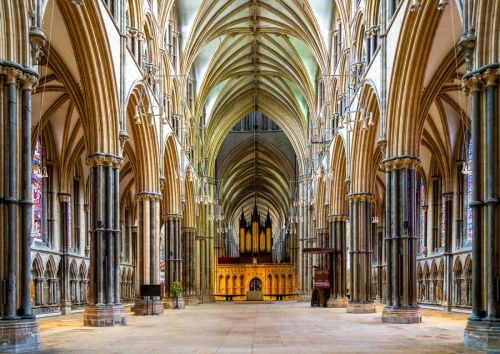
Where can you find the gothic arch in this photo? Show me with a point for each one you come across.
(365, 156)
(94, 59)
(172, 186)
(338, 189)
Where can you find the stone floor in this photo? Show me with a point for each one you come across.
(286, 327)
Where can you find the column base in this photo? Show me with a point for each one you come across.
(104, 316)
(145, 307)
(173, 303)
(359, 307)
(446, 306)
(339, 302)
(19, 335)
(401, 315)
(304, 298)
(65, 307)
(483, 335)
(191, 300)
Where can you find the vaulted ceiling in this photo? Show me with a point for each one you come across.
(255, 55)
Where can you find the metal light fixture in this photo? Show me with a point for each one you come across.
(416, 5)
(137, 116)
(466, 168)
(442, 4)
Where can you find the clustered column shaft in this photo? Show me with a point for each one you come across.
(105, 242)
(16, 203)
(64, 200)
(337, 230)
(360, 217)
(483, 327)
(188, 258)
(400, 241)
(173, 251)
(148, 251)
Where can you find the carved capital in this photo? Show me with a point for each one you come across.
(29, 81)
(104, 160)
(448, 196)
(64, 197)
(150, 196)
(37, 40)
(132, 32)
(140, 36)
(360, 197)
(467, 44)
(171, 217)
(401, 162)
(337, 217)
(11, 74)
(490, 77)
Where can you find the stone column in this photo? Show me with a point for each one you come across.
(322, 242)
(65, 202)
(338, 295)
(140, 43)
(18, 327)
(360, 217)
(173, 258)
(448, 254)
(483, 327)
(188, 261)
(104, 307)
(368, 50)
(148, 211)
(86, 209)
(374, 40)
(380, 264)
(400, 241)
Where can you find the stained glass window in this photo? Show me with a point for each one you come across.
(443, 221)
(37, 192)
(469, 194)
(422, 220)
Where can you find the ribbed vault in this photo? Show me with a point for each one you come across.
(257, 172)
(250, 55)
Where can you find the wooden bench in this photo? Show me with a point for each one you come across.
(228, 297)
(280, 297)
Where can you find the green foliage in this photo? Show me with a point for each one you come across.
(176, 287)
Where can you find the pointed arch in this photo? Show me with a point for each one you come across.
(338, 188)
(172, 189)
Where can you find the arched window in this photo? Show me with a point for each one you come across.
(113, 8)
(467, 207)
(421, 213)
(75, 216)
(38, 173)
(438, 211)
(464, 192)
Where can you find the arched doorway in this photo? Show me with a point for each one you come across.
(255, 285)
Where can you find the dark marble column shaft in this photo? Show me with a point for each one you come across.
(400, 241)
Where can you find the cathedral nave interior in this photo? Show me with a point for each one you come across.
(275, 154)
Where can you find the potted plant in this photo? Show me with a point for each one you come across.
(176, 288)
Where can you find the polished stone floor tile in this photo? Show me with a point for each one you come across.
(286, 327)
